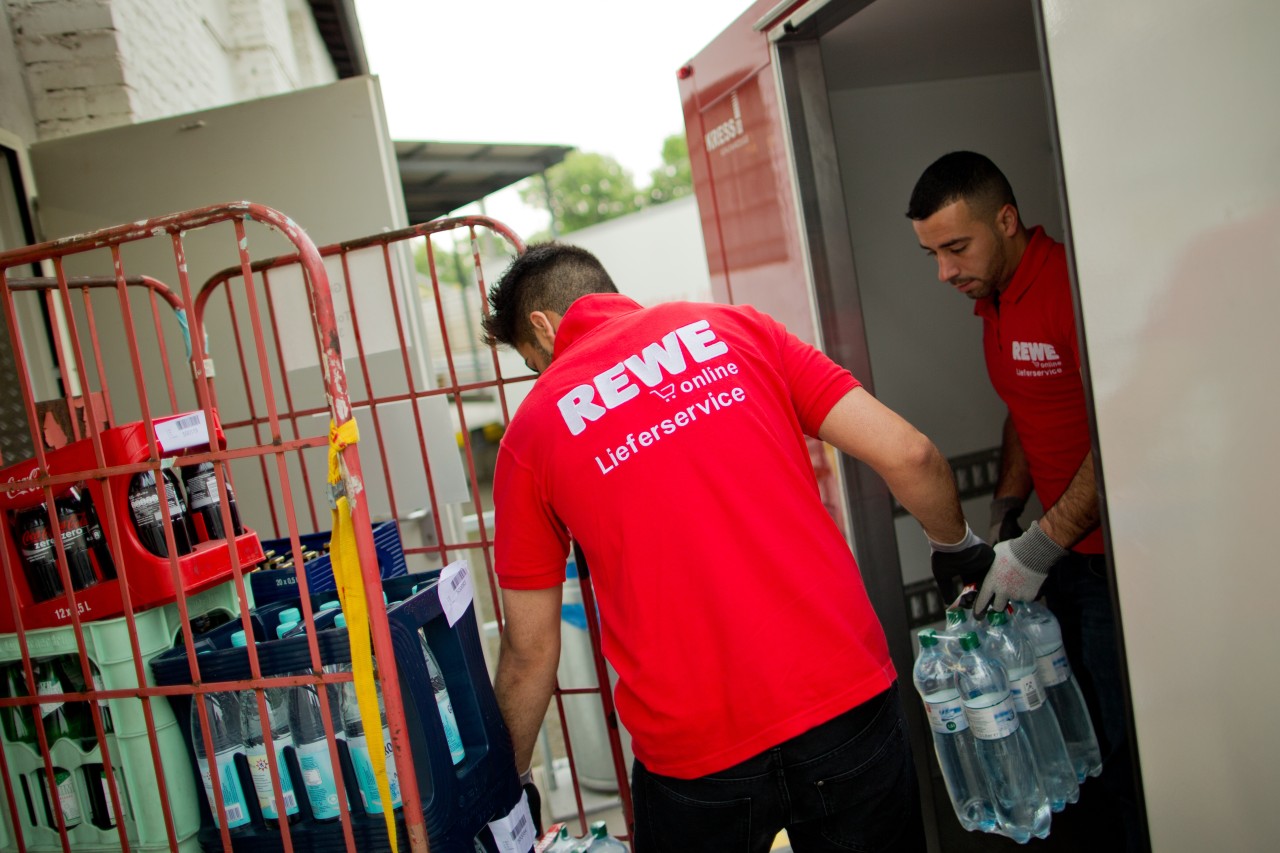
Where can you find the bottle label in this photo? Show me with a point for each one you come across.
(171, 496)
(44, 689)
(1053, 668)
(67, 801)
(146, 507)
(360, 759)
(515, 833)
(202, 492)
(946, 715)
(451, 734)
(1026, 690)
(110, 800)
(992, 720)
(317, 778)
(233, 801)
(260, 770)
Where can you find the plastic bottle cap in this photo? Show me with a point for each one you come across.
(998, 617)
(284, 628)
(290, 614)
(384, 598)
(329, 605)
(954, 617)
(599, 830)
(970, 641)
(340, 621)
(928, 637)
(237, 640)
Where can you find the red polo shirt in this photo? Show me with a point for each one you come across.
(671, 442)
(1034, 364)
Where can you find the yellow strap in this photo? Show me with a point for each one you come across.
(346, 572)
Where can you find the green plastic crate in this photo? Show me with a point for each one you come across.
(107, 643)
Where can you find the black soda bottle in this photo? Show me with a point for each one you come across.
(39, 560)
(75, 541)
(204, 505)
(97, 537)
(144, 506)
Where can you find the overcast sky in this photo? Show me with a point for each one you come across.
(597, 75)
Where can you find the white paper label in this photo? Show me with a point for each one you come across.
(455, 590)
(514, 833)
(992, 720)
(946, 713)
(1053, 668)
(180, 433)
(1027, 694)
(68, 803)
(45, 688)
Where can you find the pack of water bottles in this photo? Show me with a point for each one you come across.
(1010, 728)
(465, 770)
(597, 840)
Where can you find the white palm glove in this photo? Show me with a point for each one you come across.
(1019, 570)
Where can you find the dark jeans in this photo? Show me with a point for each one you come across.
(1077, 592)
(848, 784)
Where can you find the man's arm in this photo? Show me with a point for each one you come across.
(1012, 488)
(527, 661)
(913, 468)
(1015, 473)
(1076, 513)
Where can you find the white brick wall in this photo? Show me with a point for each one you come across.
(92, 64)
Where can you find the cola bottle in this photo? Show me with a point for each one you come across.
(144, 506)
(36, 548)
(75, 541)
(97, 538)
(205, 505)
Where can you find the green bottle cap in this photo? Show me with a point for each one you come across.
(284, 628)
(599, 830)
(340, 621)
(330, 605)
(954, 617)
(970, 641)
(928, 638)
(998, 617)
(237, 640)
(291, 614)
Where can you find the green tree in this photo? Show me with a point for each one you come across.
(673, 179)
(585, 189)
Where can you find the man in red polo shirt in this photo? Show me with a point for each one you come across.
(669, 442)
(964, 214)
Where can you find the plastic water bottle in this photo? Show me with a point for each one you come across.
(306, 720)
(223, 710)
(602, 842)
(960, 621)
(358, 744)
(255, 744)
(1022, 810)
(1008, 645)
(563, 842)
(457, 751)
(1041, 627)
(935, 680)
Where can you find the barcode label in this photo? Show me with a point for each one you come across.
(514, 833)
(235, 814)
(180, 433)
(455, 590)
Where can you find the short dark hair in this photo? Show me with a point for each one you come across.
(546, 277)
(956, 176)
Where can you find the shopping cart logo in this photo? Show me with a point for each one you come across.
(666, 392)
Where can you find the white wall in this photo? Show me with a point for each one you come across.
(1170, 137)
(655, 255)
(925, 343)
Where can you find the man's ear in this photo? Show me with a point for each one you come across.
(1007, 220)
(545, 324)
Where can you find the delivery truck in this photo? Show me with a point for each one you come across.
(1145, 136)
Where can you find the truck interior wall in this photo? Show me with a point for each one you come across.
(925, 344)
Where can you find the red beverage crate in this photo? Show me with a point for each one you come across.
(150, 577)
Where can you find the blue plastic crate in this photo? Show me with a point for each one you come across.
(279, 584)
(457, 801)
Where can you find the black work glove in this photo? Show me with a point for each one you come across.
(535, 801)
(1004, 519)
(953, 570)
